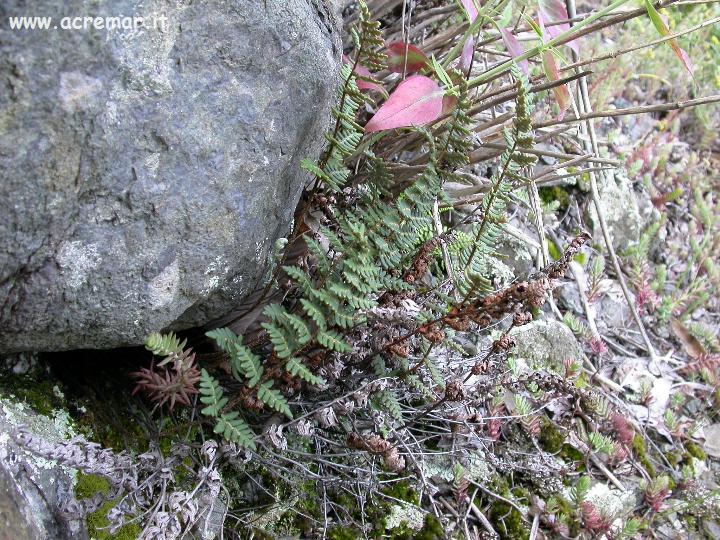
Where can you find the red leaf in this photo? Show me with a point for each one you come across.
(416, 59)
(466, 57)
(448, 104)
(471, 9)
(416, 101)
(661, 25)
(562, 95)
(364, 73)
(514, 48)
(552, 11)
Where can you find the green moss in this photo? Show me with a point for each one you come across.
(401, 532)
(87, 486)
(695, 451)
(432, 529)
(581, 258)
(554, 250)
(638, 446)
(551, 439)
(508, 522)
(376, 511)
(572, 455)
(342, 533)
(97, 524)
(124, 432)
(402, 491)
(674, 457)
(550, 194)
(38, 394)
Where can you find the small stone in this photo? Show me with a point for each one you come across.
(546, 343)
(32, 489)
(712, 440)
(627, 212)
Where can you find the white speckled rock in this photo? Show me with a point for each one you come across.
(546, 343)
(31, 488)
(627, 211)
(145, 174)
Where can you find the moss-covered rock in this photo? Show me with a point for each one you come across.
(89, 485)
(37, 487)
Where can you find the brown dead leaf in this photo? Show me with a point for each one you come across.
(693, 347)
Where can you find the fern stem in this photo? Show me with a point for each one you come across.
(491, 199)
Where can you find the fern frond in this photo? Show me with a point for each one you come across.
(225, 338)
(277, 336)
(232, 428)
(297, 369)
(333, 341)
(492, 207)
(300, 277)
(369, 41)
(164, 344)
(244, 363)
(211, 395)
(314, 312)
(387, 401)
(273, 399)
(378, 365)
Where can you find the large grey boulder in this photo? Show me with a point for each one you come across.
(146, 173)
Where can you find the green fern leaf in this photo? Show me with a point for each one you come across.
(274, 399)
(321, 258)
(333, 341)
(346, 317)
(302, 332)
(387, 401)
(297, 369)
(314, 312)
(245, 364)
(225, 338)
(277, 338)
(234, 429)
(211, 395)
(300, 277)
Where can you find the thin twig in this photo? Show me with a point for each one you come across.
(660, 107)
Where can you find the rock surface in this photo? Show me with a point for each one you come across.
(545, 343)
(33, 489)
(146, 173)
(627, 211)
